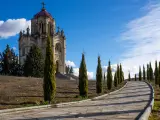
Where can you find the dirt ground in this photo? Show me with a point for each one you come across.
(27, 91)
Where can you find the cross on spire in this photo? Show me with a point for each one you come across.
(43, 4)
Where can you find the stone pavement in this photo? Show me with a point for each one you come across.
(126, 104)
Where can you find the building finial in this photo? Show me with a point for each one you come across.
(62, 33)
(58, 29)
(28, 30)
(43, 4)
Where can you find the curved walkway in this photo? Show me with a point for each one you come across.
(126, 104)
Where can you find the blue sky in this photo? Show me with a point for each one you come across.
(99, 27)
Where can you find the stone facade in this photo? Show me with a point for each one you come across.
(43, 24)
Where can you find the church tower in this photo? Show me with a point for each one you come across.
(42, 25)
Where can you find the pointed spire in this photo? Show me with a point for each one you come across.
(62, 32)
(20, 33)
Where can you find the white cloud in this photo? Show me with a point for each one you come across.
(90, 74)
(76, 70)
(142, 36)
(70, 63)
(11, 27)
(14, 48)
(113, 66)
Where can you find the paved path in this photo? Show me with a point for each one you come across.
(126, 104)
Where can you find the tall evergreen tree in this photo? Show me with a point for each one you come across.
(71, 70)
(115, 80)
(15, 68)
(122, 76)
(156, 73)
(99, 88)
(148, 75)
(121, 73)
(140, 74)
(118, 74)
(104, 79)
(150, 71)
(83, 78)
(129, 77)
(14, 62)
(109, 76)
(6, 60)
(49, 83)
(159, 74)
(135, 77)
(34, 64)
(67, 69)
(144, 73)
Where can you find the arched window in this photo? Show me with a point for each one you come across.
(41, 30)
(58, 47)
(49, 28)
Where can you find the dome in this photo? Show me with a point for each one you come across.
(43, 13)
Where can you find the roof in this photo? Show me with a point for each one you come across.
(43, 13)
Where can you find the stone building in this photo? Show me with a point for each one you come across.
(43, 24)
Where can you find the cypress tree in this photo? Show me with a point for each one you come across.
(144, 73)
(148, 77)
(129, 77)
(109, 76)
(122, 76)
(159, 74)
(156, 73)
(49, 84)
(118, 74)
(99, 77)
(83, 78)
(140, 74)
(115, 79)
(121, 73)
(135, 77)
(150, 71)
(71, 70)
(104, 79)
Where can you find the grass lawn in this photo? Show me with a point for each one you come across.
(26, 91)
(155, 115)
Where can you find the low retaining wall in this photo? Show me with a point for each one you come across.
(147, 111)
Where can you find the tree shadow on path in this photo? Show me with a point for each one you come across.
(139, 95)
(98, 114)
(124, 103)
